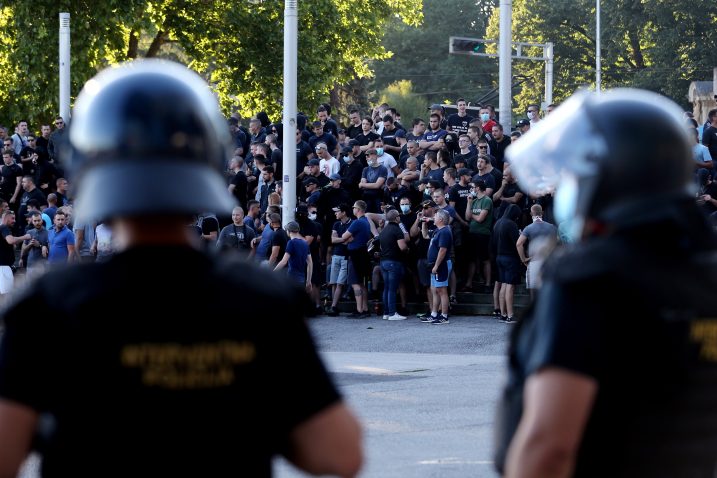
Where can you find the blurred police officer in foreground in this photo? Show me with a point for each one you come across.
(160, 361)
(613, 372)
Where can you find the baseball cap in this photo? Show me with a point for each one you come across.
(353, 143)
(428, 203)
(346, 150)
(310, 180)
(343, 207)
(313, 162)
(400, 134)
(335, 177)
(523, 122)
(464, 172)
(436, 106)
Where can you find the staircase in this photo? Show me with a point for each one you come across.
(469, 303)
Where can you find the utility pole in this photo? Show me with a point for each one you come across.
(288, 193)
(64, 49)
(505, 66)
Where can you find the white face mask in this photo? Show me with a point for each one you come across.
(312, 216)
(531, 115)
(347, 159)
(405, 208)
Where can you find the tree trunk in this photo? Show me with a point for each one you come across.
(133, 44)
(159, 40)
(637, 57)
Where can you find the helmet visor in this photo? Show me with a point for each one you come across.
(564, 144)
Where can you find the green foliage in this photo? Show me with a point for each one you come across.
(400, 95)
(236, 45)
(659, 45)
(420, 53)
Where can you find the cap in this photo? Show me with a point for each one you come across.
(346, 150)
(310, 180)
(428, 203)
(523, 122)
(302, 209)
(436, 106)
(464, 172)
(335, 177)
(343, 207)
(400, 134)
(313, 162)
(353, 143)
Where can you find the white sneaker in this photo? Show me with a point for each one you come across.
(397, 317)
(386, 317)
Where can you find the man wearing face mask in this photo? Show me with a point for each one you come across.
(373, 178)
(616, 358)
(533, 114)
(351, 169)
(486, 122)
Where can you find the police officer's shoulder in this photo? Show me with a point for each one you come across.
(258, 283)
(583, 261)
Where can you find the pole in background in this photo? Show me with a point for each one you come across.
(548, 74)
(289, 121)
(64, 109)
(505, 95)
(598, 66)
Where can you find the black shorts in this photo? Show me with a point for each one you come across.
(360, 266)
(478, 247)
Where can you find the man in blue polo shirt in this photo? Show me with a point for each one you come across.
(61, 239)
(439, 253)
(356, 238)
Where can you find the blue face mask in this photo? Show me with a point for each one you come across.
(405, 208)
(379, 151)
(346, 159)
(484, 117)
(565, 207)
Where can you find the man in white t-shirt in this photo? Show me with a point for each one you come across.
(327, 163)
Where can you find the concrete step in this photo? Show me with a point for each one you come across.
(456, 309)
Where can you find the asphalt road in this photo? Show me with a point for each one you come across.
(424, 393)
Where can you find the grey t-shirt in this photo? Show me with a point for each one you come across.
(34, 255)
(540, 230)
(236, 237)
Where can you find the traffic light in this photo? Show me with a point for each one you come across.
(468, 46)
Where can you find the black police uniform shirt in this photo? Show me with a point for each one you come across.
(642, 323)
(152, 372)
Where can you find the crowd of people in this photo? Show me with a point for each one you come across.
(354, 182)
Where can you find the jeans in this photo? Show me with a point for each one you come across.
(392, 272)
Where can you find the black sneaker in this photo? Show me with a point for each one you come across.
(332, 312)
(428, 318)
(496, 314)
(452, 299)
(440, 320)
(356, 314)
(504, 318)
(365, 315)
(510, 320)
(423, 315)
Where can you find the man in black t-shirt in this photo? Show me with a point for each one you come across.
(459, 122)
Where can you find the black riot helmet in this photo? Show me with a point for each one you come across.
(610, 157)
(147, 137)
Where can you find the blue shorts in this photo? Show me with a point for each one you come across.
(441, 279)
(509, 270)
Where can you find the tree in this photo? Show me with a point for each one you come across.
(420, 53)
(236, 45)
(640, 45)
(400, 95)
